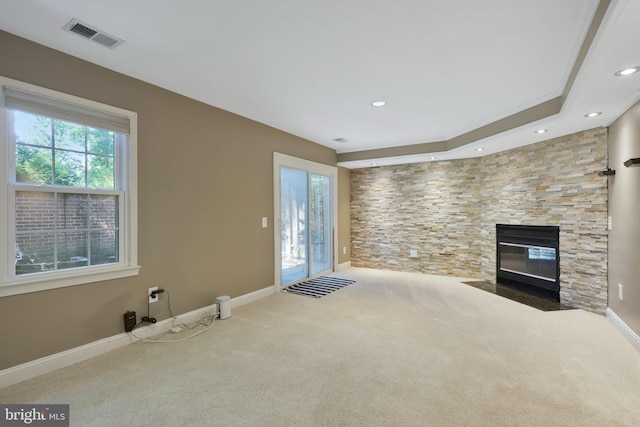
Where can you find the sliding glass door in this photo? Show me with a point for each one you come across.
(294, 224)
(305, 219)
(320, 223)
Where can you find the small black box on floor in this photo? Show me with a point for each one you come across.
(129, 321)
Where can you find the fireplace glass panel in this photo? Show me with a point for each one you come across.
(533, 261)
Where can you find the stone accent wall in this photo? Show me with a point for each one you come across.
(433, 208)
(553, 183)
(448, 210)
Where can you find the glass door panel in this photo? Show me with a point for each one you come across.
(320, 223)
(294, 232)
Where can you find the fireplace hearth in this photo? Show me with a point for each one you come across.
(528, 259)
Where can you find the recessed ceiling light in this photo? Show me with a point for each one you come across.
(594, 114)
(627, 71)
(480, 149)
(374, 164)
(541, 131)
(378, 103)
(340, 140)
(432, 158)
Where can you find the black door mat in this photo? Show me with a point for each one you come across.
(518, 296)
(318, 287)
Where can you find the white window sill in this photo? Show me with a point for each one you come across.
(38, 282)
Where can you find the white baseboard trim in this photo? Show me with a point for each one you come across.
(56, 361)
(624, 328)
(47, 364)
(343, 266)
(252, 296)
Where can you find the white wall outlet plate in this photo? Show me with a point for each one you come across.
(413, 253)
(152, 300)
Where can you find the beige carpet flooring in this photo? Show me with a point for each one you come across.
(393, 349)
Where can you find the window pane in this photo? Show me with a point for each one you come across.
(104, 212)
(72, 249)
(33, 165)
(100, 173)
(100, 141)
(69, 169)
(36, 252)
(70, 163)
(72, 211)
(34, 212)
(32, 129)
(104, 247)
(69, 135)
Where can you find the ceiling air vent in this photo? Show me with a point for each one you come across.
(92, 33)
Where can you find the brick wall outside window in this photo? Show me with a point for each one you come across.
(75, 216)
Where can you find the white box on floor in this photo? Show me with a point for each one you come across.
(224, 304)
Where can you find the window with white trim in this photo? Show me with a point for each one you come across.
(69, 187)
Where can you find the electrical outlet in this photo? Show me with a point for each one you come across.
(152, 300)
(620, 291)
(413, 253)
(344, 250)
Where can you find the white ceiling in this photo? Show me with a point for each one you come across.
(312, 68)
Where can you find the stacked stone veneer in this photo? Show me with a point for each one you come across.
(433, 208)
(448, 211)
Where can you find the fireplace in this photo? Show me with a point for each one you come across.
(528, 259)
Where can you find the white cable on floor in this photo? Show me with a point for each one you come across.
(200, 322)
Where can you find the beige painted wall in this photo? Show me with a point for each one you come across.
(624, 209)
(205, 181)
(344, 215)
